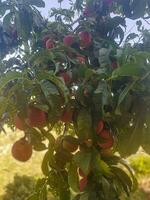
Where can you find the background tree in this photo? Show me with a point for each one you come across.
(79, 89)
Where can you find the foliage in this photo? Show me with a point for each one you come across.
(140, 164)
(92, 91)
(20, 188)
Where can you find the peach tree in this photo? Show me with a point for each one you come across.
(77, 86)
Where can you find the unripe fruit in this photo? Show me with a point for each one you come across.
(50, 44)
(21, 150)
(36, 117)
(19, 123)
(83, 184)
(100, 127)
(67, 116)
(68, 40)
(85, 38)
(67, 77)
(107, 144)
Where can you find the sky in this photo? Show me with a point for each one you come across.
(54, 3)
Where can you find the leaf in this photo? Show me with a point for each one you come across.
(37, 3)
(24, 21)
(119, 33)
(131, 36)
(130, 170)
(83, 161)
(56, 81)
(9, 76)
(33, 197)
(78, 5)
(43, 193)
(39, 184)
(138, 8)
(39, 146)
(49, 89)
(127, 70)
(73, 178)
(84, 196)
(7, 21)
(84, 124)
(99, 165)
(124, 93)
(3, 8)
(48, 159)
(124, 179)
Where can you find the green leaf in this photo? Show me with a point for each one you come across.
(39, 184)
(3, 8)
(33, 197)
(84, 124)
(47, 160)
(83, 161)
(7, 21)
(37, 3)
(131, 36)
(24, 23)
(130, 170)
(123, 95)
(128, 70)
(73, 178)
(84, 196)
(138, 8)
(124, 179)
(99, 165)
(56, 81)
(43, 193)
(9, 76)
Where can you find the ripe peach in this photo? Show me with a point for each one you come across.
(100, 127)
(35, 117)
(68, 40)
(81, 59)
(21, 150)
(19, 123)
(105, 134)
(67, 77)
(45, 38)
(50, 44)
(107, 144)
(85, 38)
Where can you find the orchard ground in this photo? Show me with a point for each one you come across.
(9, 167)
